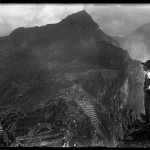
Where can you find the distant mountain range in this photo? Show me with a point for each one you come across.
(137, 43)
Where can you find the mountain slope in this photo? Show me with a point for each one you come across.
(47, 74)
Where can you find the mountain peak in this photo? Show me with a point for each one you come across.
(80, 13)
(81, 18)
(83, 12)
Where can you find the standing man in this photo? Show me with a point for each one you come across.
(146, 68)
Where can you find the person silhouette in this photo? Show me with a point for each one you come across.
(146, 88)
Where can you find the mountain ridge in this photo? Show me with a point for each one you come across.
(80, 21)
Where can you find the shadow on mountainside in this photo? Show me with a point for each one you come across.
(136, 131)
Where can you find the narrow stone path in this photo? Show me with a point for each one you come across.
(89, 111)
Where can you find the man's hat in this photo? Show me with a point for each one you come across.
(147, 63)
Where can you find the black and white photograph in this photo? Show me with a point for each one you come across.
(75, 75)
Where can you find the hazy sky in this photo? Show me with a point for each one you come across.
(120, 19)
(115, 19)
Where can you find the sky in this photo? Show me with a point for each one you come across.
(120, 20)
(113, 19)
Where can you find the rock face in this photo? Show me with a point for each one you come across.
(136, 81)
(64, 84)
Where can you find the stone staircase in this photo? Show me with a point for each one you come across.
(84, 100)
(90, 112)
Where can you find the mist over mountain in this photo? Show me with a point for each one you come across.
(66, 83)
(137, 43)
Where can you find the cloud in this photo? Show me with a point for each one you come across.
(119, 19)
(13, 16)
(116, 19)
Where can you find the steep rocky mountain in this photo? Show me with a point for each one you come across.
(66, 84)
(137, 43)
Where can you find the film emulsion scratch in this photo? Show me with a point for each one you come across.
(74, 75)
